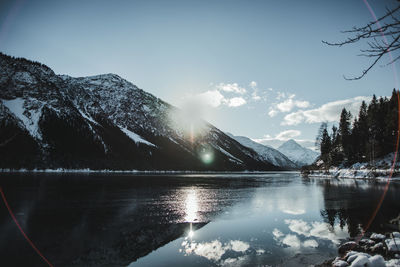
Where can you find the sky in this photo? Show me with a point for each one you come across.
(252, 68)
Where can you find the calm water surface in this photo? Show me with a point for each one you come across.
(275, 218)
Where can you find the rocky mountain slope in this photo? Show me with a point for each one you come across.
(298, 154)
(266, 153)
(103, 122)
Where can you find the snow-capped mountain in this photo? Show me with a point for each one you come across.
(298, 154)
(266, 153)
(104, 122)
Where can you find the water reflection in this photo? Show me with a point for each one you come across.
(215, 250)
(191, 206)
(186, 220)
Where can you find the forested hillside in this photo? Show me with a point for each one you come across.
(369, 135)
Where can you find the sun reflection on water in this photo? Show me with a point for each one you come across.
(191, 206)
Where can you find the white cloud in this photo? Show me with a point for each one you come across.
(231, 87)
(255, 97)
(327, 112)
(211, 98)
(290, 103)
(253, 84)
(254, 94)
(235, 101)
(287, 105)
(214, 98)
(288, 134)
(272, 112)
(293, 118)
(280, 95)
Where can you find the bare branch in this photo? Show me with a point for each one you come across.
(381, 36)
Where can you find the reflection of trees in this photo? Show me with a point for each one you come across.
(352, 203)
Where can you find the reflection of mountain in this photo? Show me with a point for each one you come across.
(99, 220)
(104, 122)
(353, 202)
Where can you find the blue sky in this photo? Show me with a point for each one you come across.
(257, 68)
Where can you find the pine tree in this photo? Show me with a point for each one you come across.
(325, 147)
(391, 124)
(345, 134)
(361, 139)
(372, 129)
(335, 153)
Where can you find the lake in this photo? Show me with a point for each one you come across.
(229, 219)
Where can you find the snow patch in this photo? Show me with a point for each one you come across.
(228, 154)
(87, 117)
(136, 138)
(30, 118)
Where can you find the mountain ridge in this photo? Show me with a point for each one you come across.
(266, 152)
(297, 153)
(104, 122)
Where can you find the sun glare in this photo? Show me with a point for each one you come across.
(191, 206)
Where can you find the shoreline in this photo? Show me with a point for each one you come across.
(107, 171)
(352, 173)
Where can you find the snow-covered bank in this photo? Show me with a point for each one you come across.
(373, 174)
(381, 169)
(373, 250)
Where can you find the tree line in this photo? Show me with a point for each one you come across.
(372, 134)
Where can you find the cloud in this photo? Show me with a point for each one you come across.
(253, 84)
(235, 101)
(288, 134)
(254, 94)
(287, 105)
(211, 98)
(214, 98)
(231, 88)
(272, 112)
(327, 112)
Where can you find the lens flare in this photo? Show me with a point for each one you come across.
(207, 156)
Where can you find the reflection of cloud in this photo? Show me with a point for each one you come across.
(239, 246)
(318, 229)
(291, 241)
(299, 227)
(277, 234)
(310, 243)
(214, 250)
(209, 250)
(294, 211)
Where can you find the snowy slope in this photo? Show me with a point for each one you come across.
(266, 153)
(298, 154)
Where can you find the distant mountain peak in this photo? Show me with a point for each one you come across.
(290, 143)
(266, 152)
(297, 153)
